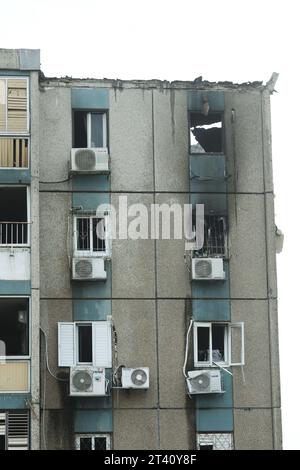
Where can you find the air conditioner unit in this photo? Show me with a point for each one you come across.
(204, 381)
(87, 381)
(207, 269)
(88, 269)
(90, 160)
(135, 378)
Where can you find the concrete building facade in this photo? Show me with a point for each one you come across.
(149, 305)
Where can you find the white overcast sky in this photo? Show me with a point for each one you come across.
(230, 40)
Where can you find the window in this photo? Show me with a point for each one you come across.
(93, 442)
(91, 235)
(84, 343)
(14, 215)
(14, 327)
(14, 430)
(218, 343)
(215, 441)
(89, 129)
(215, 236)
(13, 153)
(14, 105)
(206, 133)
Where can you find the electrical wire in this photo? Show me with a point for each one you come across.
(187, 349)
(47, 359)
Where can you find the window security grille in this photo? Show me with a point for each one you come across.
(218, 441)
(93, 442)
(215, 237)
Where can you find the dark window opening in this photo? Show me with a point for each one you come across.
(2, 442)
(83, 234)
(206, 133)
(13, 216)
(215, 236)
(203, 342)
(80, 129)
(98, 234)
(218, 343)
(89, 129)
(85, 443)
(14, 327)
(100, 443)
(85, 343)
(206, 447)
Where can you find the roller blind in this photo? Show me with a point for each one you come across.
(13, 105)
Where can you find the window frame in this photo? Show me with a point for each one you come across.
(211, 439)
(89, 112)
(75, 348)
(227, 344)
(93, 436)
(90, 253)
(27, 132)
(27, 357)
(28, 244)
(17, 136)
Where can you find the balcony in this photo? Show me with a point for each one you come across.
(13, 233)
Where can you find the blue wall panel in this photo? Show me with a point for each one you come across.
(212, 289)
(211, 310)
(90, 201)
(91, 183)
(207, 173)
(95, 310)
(217, 400)
(15, 288)
(12, 176)
(215, 98)
(214, 420)
(93, 421)
(90, 98)
(14, 401)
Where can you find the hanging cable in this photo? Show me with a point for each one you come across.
(187, 349)
(47, 359)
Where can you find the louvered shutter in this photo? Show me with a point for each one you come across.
(18, 430)
(2, 105)
(17, 105)
(66, 344)
(102, 354)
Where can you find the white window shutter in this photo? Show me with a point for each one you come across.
(66, 344)
(102, 354)
(236, 344)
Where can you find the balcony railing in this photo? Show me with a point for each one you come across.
(215, 237)
(13, 153)
(13, 233)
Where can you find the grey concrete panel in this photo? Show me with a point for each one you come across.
(133, 270)
(135, 323)
(57, 391)
(173, 277)
(131, 140)
(177, 430)
(256, 391)
(55, 136)
(135, 430)
(253, 429)
(171, 136)
(247, 246)
(171, 350)
(54, 240)
(243, 141)
(57, 430)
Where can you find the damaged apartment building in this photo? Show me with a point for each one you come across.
(135, 344)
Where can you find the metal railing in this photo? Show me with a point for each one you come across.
(14, 233)
(215, 237)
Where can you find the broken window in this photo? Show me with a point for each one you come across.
(89, 129)
(93, 442)
(14, 326)
(13, 153)
(85, 343)
(13, 105)
(218, 343)
(91, 235)
(215, 236)
(206, 133)
(13, 216)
